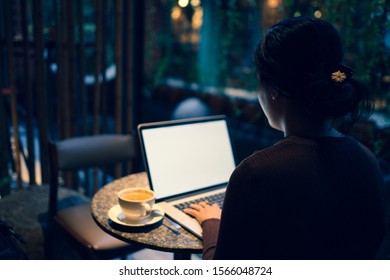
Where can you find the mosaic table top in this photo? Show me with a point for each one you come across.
(157, 236)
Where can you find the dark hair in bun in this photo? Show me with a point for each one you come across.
(302, 59)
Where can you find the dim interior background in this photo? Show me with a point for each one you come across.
(84, 67)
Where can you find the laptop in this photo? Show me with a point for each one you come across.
(187, 160)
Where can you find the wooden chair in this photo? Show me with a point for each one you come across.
(81, 153)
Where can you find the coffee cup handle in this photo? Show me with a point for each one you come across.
(148, 208)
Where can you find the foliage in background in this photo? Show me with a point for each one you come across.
(238, 30)
(159, 58)
(363, 26)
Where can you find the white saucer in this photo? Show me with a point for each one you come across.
(115, 214)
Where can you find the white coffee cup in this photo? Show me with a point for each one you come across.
(136, 203)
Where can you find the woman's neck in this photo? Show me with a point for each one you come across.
(292, 119)
(310, 128)
(306, 133)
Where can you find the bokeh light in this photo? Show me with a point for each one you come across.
(183, 3)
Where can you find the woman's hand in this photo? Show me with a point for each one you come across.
(204, 211)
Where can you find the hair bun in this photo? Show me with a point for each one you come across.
(325, 98)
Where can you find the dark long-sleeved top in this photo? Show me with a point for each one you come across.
(303, 198)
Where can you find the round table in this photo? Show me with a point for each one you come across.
(158, 237)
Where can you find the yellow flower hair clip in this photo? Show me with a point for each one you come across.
(338, 76)
(341, 74)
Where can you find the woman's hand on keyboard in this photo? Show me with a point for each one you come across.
(204, 211)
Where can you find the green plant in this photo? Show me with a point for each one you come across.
(362, 25)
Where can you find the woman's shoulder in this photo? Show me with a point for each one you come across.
(279, 151)
(266, 159)
(295, 149)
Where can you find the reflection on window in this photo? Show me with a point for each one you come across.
(211, 42)
(205, 42)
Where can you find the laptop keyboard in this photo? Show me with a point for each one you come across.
(212, 199)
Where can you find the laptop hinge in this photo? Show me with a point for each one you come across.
(177, 197)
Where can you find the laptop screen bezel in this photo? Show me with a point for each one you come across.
(151, 125)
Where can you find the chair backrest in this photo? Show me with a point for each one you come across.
(91, 151)
(84, 152)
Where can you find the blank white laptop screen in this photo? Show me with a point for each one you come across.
(188, 157)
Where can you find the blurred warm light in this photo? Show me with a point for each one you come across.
(386, 78)
(176, 13)
(380, 104)
(318, 14)
(183, 3)
(195, 3)
(197, 18)
(273, 3)
(297, 14)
